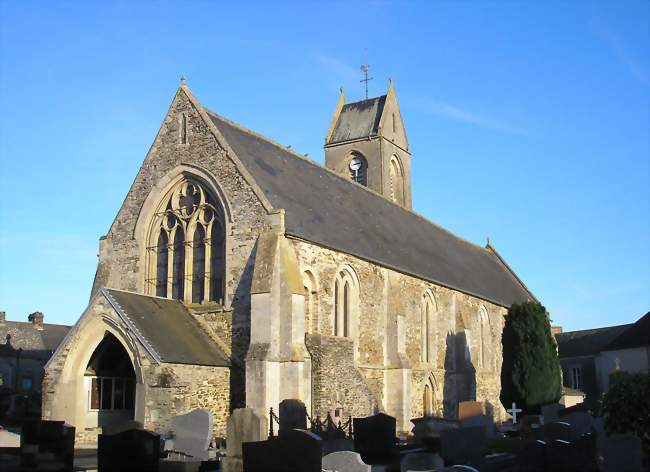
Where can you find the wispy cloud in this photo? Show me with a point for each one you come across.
(338, 68)
(463, 115)
(635, 67)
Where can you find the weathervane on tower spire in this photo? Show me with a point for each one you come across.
(366, 79)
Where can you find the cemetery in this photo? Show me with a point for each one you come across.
(558, 440)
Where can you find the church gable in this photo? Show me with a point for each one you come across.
(187, 148)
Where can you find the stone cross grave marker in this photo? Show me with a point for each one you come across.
(513, 411)
(192, 433)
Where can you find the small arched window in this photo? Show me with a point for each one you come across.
(186, 245)
(428, 328)
(396, 176)
(358, 168)
(345, 303)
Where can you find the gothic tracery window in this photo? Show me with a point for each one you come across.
(186, 245)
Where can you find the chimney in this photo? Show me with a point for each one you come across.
(3, 316)
(36, 319)
(556, 330)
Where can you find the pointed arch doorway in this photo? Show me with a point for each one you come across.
(109, 384)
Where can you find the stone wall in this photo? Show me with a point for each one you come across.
(455, 370)
(176, 389)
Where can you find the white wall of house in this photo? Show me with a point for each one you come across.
(628, 360)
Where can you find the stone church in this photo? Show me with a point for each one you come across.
(240, 273)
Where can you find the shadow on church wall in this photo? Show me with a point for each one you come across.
(241, 332)
(460, 374)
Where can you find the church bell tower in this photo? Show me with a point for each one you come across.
(367, 143)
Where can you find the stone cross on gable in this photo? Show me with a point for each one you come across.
(513, 411)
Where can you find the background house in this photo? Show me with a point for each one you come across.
(589, 356)
(25, 347)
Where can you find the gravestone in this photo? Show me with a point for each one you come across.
(528, 425)
(427, 430)
(9, 439)
(555, 431)
(344, 461)
(121, 427)
(47, 444)
(293, 415)
(375, 439)
(622, 453)
(421, 461)
(464, 445)
(136, 449)
(192, 433)
(469, 409)
(484, 421)
(532, 456)
(244, 425)
(581, 422)
(551, 412)
(296, 451)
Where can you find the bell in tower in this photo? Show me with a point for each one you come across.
(367, 143)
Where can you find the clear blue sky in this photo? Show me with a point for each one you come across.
(528, 123)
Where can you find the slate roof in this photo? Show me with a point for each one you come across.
(331, 211)
(588, 342)
(35, 343)
(358, 120)
(637, 335)
(168, 327)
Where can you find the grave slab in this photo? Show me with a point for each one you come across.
(192, 433)
(344, 461)
(469, 409)
(421, 461)
(293, 415)
(244, 425)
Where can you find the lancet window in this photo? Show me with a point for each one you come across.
(428, 328)
(186, 245)
(484, 338)
(396, 176)
(345, 301)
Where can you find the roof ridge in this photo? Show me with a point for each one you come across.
(347, 181)
(594, 329)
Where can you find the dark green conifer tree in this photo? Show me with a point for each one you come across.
(530, 374)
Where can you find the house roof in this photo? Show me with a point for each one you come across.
(637, 335)
(358, 120)
(167, 327)
(586, 342)
(34, 342)
(326, 209)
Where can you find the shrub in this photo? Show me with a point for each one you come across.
(530, 374)
(626, 406)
